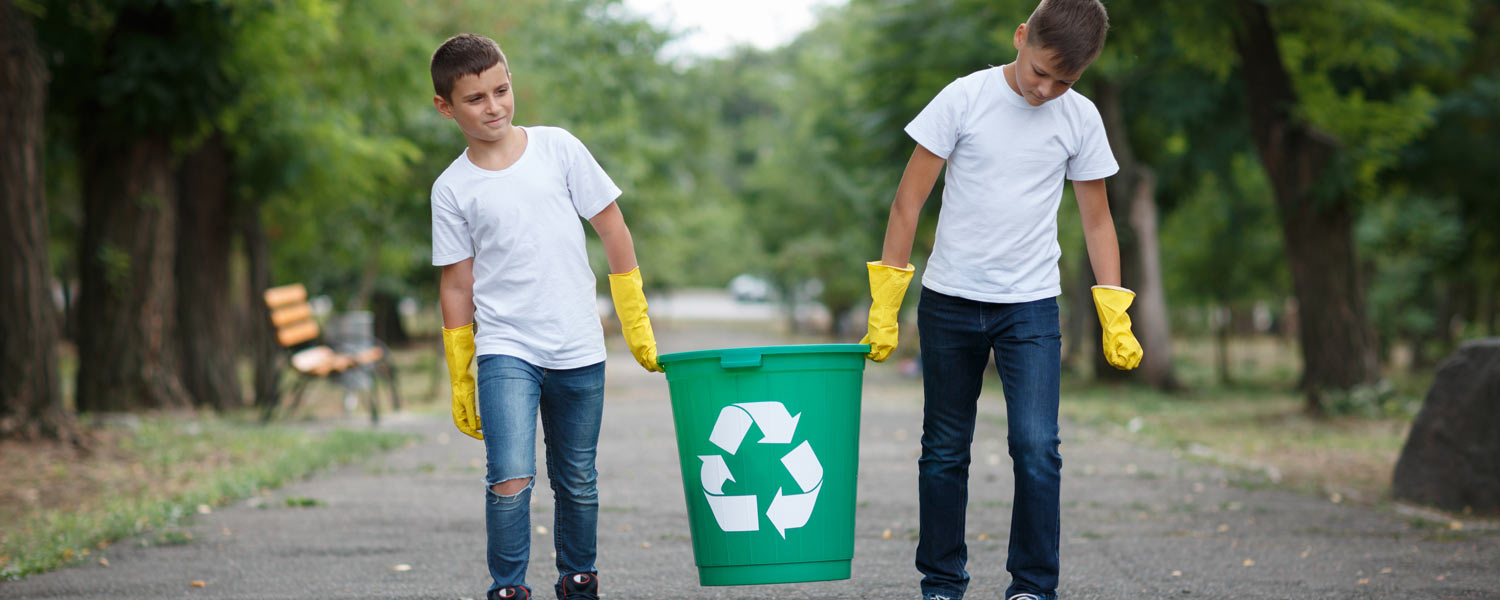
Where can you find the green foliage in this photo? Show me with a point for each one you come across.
(120, 69)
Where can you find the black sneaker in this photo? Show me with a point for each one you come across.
(579, 586)
(518, 592)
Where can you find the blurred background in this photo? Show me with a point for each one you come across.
(1306, 202)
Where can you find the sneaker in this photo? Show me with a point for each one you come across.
(578, 586)
(1024, 597)
(938, 597)
(518, 592)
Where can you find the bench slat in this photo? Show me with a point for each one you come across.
(291, 313)
(297, 333)
(286, 294)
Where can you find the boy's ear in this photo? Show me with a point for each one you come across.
(442, 106)
(1019, 39)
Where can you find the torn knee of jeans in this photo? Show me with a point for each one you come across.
(497, 497)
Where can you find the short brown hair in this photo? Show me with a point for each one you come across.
(1073, 29)
(463, 54)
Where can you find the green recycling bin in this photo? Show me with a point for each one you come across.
(768, 439)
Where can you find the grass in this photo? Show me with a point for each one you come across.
(147, 477)
(1259, 422)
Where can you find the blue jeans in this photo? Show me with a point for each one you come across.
(571, 402)
(957, 336)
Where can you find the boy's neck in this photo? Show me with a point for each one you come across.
(1009, 71)
(499, 154)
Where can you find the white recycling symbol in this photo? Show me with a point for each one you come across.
(742, 513)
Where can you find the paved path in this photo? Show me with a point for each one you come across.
(1137, 522)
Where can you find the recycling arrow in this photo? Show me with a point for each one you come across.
(777, 426)
(792, 511)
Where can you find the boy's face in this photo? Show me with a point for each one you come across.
(1037, 73)
(482, 104)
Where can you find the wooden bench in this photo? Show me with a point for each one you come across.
(308, 357)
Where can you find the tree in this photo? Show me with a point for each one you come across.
(132, 91)
(206, 331)
(30, 405)
(1315, 171)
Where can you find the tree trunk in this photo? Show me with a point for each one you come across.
(260, 338)
(127, 358)
(1151, 322)
(387, 309)
(30, 402)
(205, 315)
(1132, 202)
(1081, 327)
(1338, 344)
(1221, 335)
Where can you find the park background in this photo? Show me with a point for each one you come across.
(1306, 206)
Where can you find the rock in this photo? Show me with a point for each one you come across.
(1452, 455)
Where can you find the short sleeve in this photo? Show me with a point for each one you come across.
(1094, 159)
(589, 186)
(938, 126)
(451, 241)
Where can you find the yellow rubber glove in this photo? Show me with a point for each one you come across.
(1120, 347)
(887, 289)
(630, 306)
(458, 345)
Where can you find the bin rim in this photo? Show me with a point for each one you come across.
(765, 350)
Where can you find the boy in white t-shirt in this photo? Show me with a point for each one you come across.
(1009, 135)
(517, 289)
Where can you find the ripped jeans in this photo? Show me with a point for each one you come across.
(571, 402)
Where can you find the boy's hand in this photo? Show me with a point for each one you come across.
(630, 306)
(887, 289)
(458, 345)
(1120, 346)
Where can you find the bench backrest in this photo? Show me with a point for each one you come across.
(291, 315)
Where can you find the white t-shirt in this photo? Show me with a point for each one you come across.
(534, 295)
(997, 229)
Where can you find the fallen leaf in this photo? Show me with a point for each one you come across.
(1364, 581)
(401, 568)
(1177, 573)
(1456, 525)
(226, 531)
(645, 544)
(104, 562)
(203, 509)
(885, 535)
(984, 536)
(541, 530)
(1441, 577)
(1249, 562)
(1385, 570)
(1223, 527)
(68, 554)
(1306, 552)
(198, 583)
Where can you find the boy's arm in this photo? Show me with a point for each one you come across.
(619, 247)
(916, 184)
(890, 276)
(625, 285)
(1099, 231)
(456, 299)
(1110, 300)
(456, 294)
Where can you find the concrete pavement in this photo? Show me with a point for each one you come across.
(1137, 522)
